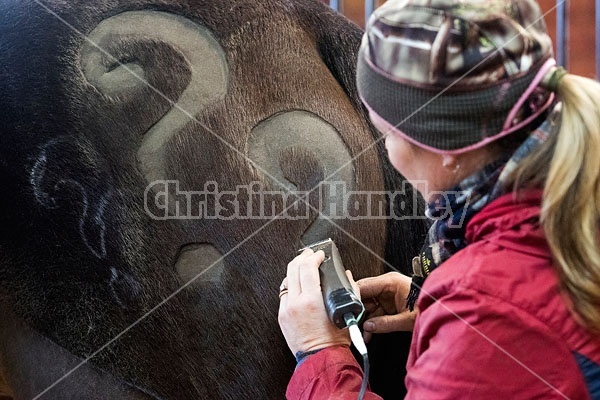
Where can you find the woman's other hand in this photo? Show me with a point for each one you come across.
(384, 298)
(302, 316)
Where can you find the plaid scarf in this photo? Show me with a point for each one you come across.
(453, 209)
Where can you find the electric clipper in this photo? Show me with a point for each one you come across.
(343, 306)
(341, 303)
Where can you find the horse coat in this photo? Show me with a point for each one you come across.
(113, 112)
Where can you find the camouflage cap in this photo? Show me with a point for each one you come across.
(447, 73)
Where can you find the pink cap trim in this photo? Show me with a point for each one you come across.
(392, 129)
(534, 84)
(505, 131)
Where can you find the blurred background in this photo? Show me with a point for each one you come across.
(573, 24)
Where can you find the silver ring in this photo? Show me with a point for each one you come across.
(282, 292)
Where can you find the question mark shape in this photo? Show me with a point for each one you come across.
(206, 59)
(304, 130)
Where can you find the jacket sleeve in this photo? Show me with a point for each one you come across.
(332, 373)
(471, 345)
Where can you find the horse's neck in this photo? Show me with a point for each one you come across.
(5, 392)
(32, 363)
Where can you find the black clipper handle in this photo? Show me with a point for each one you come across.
(338, 296)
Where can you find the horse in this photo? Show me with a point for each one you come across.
(161, 163)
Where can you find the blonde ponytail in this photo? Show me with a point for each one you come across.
(571, 201)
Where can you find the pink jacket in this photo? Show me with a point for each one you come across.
(492, 324)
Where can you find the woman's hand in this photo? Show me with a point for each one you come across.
(384, 298)
(302, 316)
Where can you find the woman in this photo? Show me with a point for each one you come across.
(470, 102)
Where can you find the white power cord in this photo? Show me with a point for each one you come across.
(359, 344)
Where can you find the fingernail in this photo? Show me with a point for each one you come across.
(367, 337)
(369, 326)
